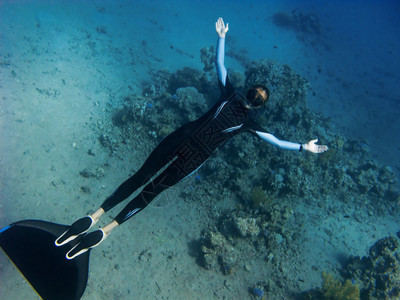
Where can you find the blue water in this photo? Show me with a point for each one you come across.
(94, 52)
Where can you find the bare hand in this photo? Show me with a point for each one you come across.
(221, 28)
(312, 147)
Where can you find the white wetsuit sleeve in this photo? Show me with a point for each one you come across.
(277, 142)
(220, 58)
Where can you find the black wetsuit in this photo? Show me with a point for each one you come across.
(184, 151)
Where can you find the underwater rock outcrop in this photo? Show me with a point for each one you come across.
(377, 274)
(247, 226)
(241, 229)
(218, 254)
(333, 289)
(191, 101)
(207, 56)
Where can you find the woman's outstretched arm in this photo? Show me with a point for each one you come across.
(221, 29)
(310, 146)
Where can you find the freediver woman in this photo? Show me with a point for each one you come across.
(182, 153)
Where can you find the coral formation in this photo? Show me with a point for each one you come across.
(218, 253)
(207, 56)
(378, 274)
(257, 291)
(333, 289)
(258, 196)
(247, 226)
(191, 100)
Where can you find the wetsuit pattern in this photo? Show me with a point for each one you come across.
(209, 135)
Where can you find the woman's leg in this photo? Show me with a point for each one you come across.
(127, 188)
(166, 179)
(82, 225)
(165, 155)
(161, 156)
(158, 159)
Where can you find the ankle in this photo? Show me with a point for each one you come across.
(110, 227)
(97, 214)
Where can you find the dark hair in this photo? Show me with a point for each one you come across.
(257, 96)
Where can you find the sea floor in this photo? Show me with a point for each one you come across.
(64, 66)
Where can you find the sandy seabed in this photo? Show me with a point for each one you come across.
(61, 73)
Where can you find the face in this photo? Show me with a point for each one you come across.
(257, 97)
(262, 93)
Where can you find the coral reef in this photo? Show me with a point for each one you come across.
(333, 289)
(207, 56)
(378, 274)
(190, 100)
(189, 77)
(218, 253)
(247, 226)
(258, 196)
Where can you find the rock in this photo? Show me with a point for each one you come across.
(191, 101)
(247, 226)
(379, 273)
